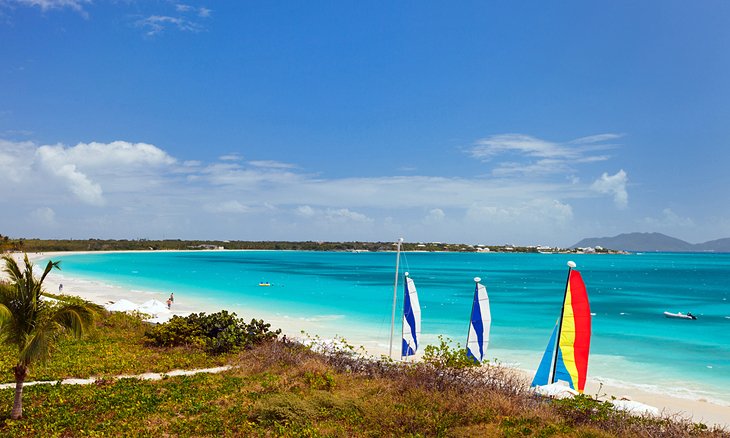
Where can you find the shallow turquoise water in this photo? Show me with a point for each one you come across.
(632, 341)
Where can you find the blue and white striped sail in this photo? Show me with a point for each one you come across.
(411, 319)
(481, 319)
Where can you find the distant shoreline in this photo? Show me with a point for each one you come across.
(94, 245)
(101, 292)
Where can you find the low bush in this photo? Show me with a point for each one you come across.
(217, 333)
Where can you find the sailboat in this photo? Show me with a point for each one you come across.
(479, 323)
(411, 331)
(411, 319)
(566, 356)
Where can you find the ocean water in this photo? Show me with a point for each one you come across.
(350, 294)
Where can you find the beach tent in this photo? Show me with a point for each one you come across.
(153, 307)
(558, 389)
(121, 305)
(635, 408)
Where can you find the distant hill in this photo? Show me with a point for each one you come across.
(653, 242)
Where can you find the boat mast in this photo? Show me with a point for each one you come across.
(554, 365)
(395, 291)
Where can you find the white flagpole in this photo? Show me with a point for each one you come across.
(395, 292)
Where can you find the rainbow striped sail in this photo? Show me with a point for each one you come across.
(567, 359)
(481, 318)
(411, 318)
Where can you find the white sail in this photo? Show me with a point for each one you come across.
(411, 319)
(481, 319)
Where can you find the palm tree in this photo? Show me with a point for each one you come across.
(33, 325)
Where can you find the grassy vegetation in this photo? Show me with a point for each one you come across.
(286, 389)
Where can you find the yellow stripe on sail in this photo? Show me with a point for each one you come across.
(567, 338)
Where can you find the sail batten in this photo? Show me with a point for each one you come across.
(481, 318)
(411, 318)
(566, 356)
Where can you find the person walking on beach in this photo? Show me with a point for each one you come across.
(169, 303)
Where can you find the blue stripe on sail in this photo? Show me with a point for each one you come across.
(561, 372)
(543, 371)
(477, 323)
(409, 345)
(406, 349)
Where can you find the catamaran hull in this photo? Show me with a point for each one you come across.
(679, 315)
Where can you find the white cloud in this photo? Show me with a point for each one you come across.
(85, 189)
(156, 24)
(305, 210)
(44, 216)
(668, 220)
(15, 160)
(434, 216)
(546, 211)
(272, 164)
(228, 207)
(598, 138)
(331, 215)
(45, 5)
(345, 215)
(114, 154)
(526, 155)
(128, 190)
(615, 185)
(489, 147)
(230, 157)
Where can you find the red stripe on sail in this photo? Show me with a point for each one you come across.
(582, 318)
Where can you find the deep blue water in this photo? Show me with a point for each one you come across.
(632, 340)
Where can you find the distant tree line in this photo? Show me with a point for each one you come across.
(8, 244)
(47, 245)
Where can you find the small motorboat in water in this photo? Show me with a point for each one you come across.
(264, 283)
(680, 315)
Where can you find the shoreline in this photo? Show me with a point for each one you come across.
(100, 292)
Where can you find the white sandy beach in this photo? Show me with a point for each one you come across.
(101, 293)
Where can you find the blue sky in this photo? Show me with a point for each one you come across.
(484, 122)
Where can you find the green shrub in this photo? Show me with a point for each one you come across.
(216, 333)
(446, 356)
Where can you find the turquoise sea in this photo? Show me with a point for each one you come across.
(351, 294)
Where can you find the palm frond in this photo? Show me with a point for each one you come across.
(38, 344)
(49, 266)
(75, 318)
(5, 318)
(12, 269)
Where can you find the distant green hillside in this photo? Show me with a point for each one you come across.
(653, 242)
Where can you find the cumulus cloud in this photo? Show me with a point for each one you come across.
(96, 155)
(137, 189)
(434, 216)
(614, 185)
